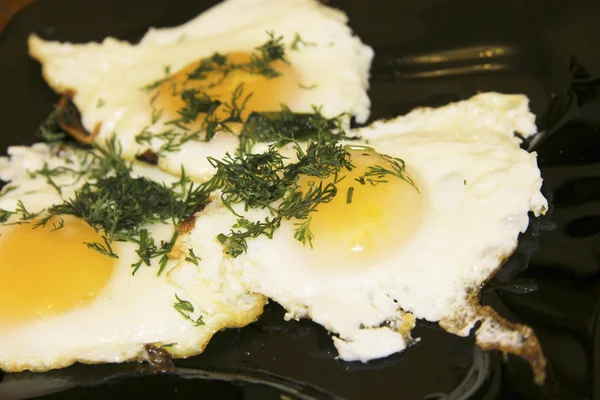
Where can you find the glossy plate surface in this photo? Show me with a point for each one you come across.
(429, 52)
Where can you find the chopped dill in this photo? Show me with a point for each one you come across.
(349, 195)
(199, 108)
(163, 252)
(234, 243)
(104, 249)
(120, 206)
(285, 124)
(377, 174)
(258, 180)
(255, 179)
(156, 114)
(272, 50)
(50, 131)
(7, 189)
(185, 308)
(303, 233)
(196, 103)
(50, 173)
(235, 107)
(5, 215)
(298, 43)
(193, 258)
(25, 214)
(146, 249)
(60, 225)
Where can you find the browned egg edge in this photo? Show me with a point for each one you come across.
(69, 119)
(530, 349)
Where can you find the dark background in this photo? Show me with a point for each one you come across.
(546, 49)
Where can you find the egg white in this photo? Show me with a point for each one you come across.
(477, 185)
(130, 311)
(332, 62)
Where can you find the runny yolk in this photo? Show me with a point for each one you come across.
(370, 221)
(267, 93)
(45, 273)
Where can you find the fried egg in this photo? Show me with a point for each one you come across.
(63, 302)
(144, 93)
(386, 253)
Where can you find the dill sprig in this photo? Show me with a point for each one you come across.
(322, 158)
(120, 206)
(51, 173)
(197, 103)
(105, 249)
(267, 181)
(254, 179)
(298, 43)
(287, 126)
(234, 243)
(303, 233)
(5, 215)
(186, 309)
(25, 214)
(237, 105)
(7, 189)
(50, 131)
(260, 180)
(260, 62)
(377, 174)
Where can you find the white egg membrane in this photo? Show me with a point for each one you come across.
(131, 310)
(478, 187)
(111, 73)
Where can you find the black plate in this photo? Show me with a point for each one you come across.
(547, 49)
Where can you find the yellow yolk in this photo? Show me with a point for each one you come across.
(44, 273)
(267, 94)
(365, 222)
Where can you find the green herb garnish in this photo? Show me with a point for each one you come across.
(285, 124)
(5, 215)
(120, 206)
(298, 43)
(199, 104)
(377, 174)
(185, 308)
(50, 131)
(259, 180)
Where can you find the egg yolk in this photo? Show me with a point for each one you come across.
(45, 273)
(267, 93)
(366, 221)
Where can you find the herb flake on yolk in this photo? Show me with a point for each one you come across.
(372, 211)
(194, 97)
